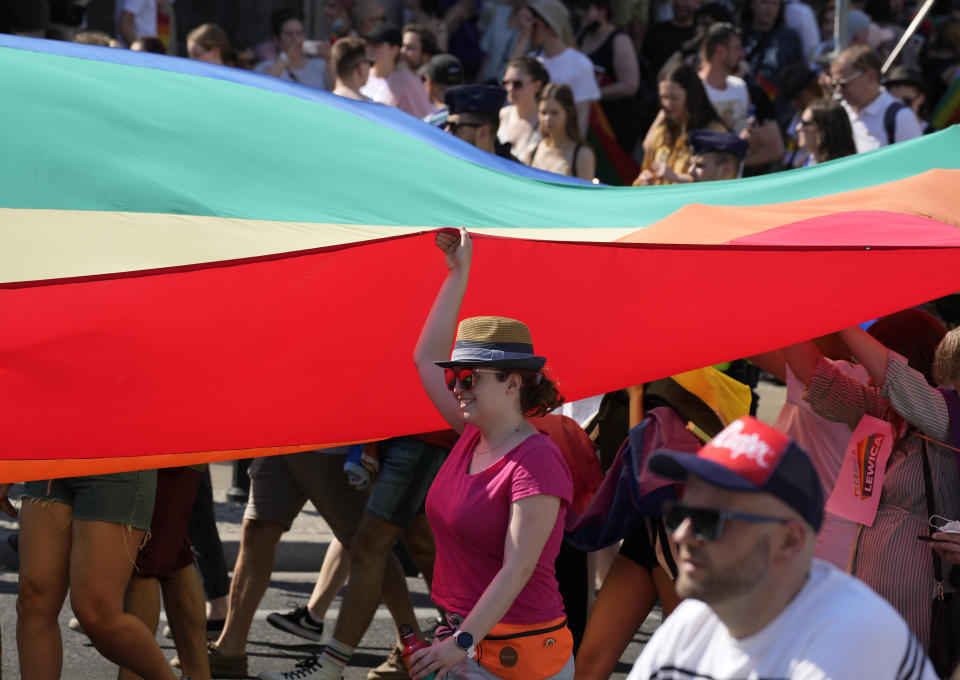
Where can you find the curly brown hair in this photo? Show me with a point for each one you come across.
(537, 398)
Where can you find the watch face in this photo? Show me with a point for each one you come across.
(464, 640)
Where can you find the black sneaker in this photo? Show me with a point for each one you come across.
(297, 622)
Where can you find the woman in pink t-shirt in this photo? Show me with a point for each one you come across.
(498, 503)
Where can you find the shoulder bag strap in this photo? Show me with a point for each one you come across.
(931, 511)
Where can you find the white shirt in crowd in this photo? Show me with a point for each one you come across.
(314, 74)
(144, 16)
(835, 628)
(869, 131)
(574, 69)
(732, 103)
(799, 16)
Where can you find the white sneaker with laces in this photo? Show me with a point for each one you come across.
(308, 669)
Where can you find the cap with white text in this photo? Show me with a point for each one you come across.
(751, 456)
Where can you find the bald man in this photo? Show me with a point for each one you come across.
(758, 603)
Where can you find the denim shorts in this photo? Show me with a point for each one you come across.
(122, 497)
(407, 469)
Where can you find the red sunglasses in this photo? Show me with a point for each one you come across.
(467, 377)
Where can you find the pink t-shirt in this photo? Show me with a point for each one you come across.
(469, 515)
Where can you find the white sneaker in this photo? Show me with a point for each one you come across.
(74, 624)
(308, 669)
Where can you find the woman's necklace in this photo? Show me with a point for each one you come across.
(502, 442)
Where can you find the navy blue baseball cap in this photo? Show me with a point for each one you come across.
(487, 99)
(715, 141)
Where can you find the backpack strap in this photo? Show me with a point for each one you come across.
(573, 165)
(890, 120)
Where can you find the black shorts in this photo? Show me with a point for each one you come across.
(638, 546)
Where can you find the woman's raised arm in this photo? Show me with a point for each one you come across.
(439, 330)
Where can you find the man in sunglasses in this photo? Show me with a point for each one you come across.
(876, 116)
(757, 603)
(474, 116)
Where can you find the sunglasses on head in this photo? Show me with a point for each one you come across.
(467, 377)
(707, 523)
(454, 126)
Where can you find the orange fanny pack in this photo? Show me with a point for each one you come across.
(526, 651)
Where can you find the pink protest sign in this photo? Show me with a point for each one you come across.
(857, 492)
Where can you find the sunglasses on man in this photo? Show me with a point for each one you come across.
(839, 83)
(707, 523)
(467, 377)
(453, 126)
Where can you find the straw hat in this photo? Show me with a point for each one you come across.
(555, 15)
(493, 341)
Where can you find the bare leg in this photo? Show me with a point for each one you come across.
(142, 599)
(101, 562)
(665, 588)
(418, 539)
(217, 609)
(333, 574)
(183, 600)
(45, 540)
(622, 605)
(370, 560)
(251, 577)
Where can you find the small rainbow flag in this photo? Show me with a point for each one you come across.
(947, 112)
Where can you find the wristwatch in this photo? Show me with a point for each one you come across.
(464, 641)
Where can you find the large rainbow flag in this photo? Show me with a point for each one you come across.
(199, 263)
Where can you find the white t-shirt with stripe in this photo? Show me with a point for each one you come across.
(836, 628)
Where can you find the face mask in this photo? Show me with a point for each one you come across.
(947, 526)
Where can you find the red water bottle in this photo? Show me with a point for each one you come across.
(412, 643)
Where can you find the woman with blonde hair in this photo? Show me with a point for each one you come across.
(562, 149)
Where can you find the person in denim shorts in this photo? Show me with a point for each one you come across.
(83, 533)
(279, 488)
(407, 468)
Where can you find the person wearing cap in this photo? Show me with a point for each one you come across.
(877, 117)
(388, 84)
(442, 72)
(552, 36)
(715, 155)
(757, 602)
(351, 67)
(498, 504)
(474, 116)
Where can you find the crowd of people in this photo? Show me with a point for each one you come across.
(754, 576)
(602, 90)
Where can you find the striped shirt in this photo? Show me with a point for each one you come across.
(887, 556)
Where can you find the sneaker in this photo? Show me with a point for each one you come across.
(297, 622)
(392, 668)
(308, 669)
(223, 666)
(74, 624)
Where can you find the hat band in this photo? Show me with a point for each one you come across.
(485, 354)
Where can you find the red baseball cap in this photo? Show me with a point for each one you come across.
(749, 455)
